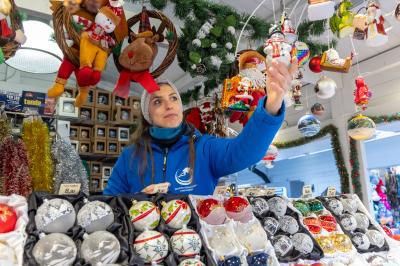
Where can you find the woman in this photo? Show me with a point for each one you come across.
(166, 149)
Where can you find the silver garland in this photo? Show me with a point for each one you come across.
(68, 166)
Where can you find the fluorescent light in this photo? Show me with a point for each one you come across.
(316, 152)
(297, 156)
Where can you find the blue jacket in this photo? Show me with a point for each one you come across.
(215, 157)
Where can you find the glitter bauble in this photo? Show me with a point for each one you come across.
(271, 225)
(342, 242)
(361, 241)
(258, 259)
(100, 247)
(223, 241)
(362, 220)
(326, 243)
(328, 222)
(230, 261)
(95, 216)
(313, 224)
(335, 206)
(278, 206)
(55, 216)
(288, 224)
(238, 209)
(151, 246)
(191, 262)
(211, 211)
(55, 249)
(376, 238)
(260, 206)
(302, 206)
(348, 222)
(176, 213)
(303, 243)
(186, 242)
(282, 245)
(144, 215)
(8, 218)
(350, 205)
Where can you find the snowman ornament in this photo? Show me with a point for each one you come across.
(276, 47)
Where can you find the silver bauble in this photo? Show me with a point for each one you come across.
(348, 222)
(376, 238)
(361, 241)
(271, 225)
(325, 87)
(282, 245)
(362, 220)
(100, 248)
(55, 216)
(278, 206)
(303, 243)
(55, 249)
(260, 206)
(288, 224)
(95, 216)
(336, 206)
(350, 205)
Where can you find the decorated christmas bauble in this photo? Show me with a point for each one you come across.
(326, 243)
(325, 87)
(328, 222)
(302, 206)
(313, 224)
(8, 218)
(335, 206)
(100, 248)
(303, 243)
(308, 125)
(361, 127)
(350, 205)
(317, 109)
(315, 64)
(376, 238)
(361, 241)
(288, 224)
(301, 52)
(278, 206)
(348, 222)
(176, 213)
(238, 209)
(260, 206)
(252, 236)
(151, 246)
(144, 214)
(258, 259)
(230, 261)
(271, 225)
(211, 211)
(362, 220)
(186, 242)
(191, 262)
(95, 216)
(7, 255)
(55, 216)
(342, 242)
(55, 249)
(282, 245)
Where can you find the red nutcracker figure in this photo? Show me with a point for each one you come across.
(361, 93)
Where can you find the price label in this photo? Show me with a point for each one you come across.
(307, 191)
(157, 188)
(331, 192)
(70, 189)
(270, 191)
(220, 190)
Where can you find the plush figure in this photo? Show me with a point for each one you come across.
(6, 33)
(95, 46)
(138, 57)
(276, 47)
(342, 22)
(376, 34)
(361, 93)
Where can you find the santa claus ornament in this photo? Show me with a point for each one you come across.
(55, 216)
(270, 157)
(287, 28)
(144, 215)
(296, 94)
(376, 34)
(176, 213)
(151, 246)
(362, 94)
(186, 242)
(211, 211)
(320, 9)
(8, 218)
(238, 209)
(277, 48)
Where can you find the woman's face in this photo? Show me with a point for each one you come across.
(165, 108)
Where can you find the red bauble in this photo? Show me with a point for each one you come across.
(315, 64)
(387, 230)
(236, 204)
(8, 218)
(204, 207)
(211, 211)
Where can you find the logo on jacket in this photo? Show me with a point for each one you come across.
(183, 177)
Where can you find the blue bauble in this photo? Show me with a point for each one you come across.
(258, 259)
(230, 261)
(309, 125)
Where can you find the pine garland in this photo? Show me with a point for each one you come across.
(337, 151)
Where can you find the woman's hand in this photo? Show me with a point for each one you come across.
(279, 78)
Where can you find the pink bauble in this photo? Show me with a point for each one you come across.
(238, 209)
(211, 211)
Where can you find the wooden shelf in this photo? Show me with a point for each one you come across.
(98, 157)
(85, 122)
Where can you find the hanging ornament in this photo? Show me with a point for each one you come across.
(308, 125)
(361, 241)
(176, 213)
(360, 26)
(362, 95)
(342, 22)
(376, 238)
(238, 209)
(301, 51)
(276, 47)
(151, 246)
(296, 94)
(325, 87)
(331, 61)
(376, 34)
(211, 211)
(397, 12)
(317, 109)
(303, 243)
(315, 64)
(270, 156)
(361, 127)
(191, 262)
(320, 9)
(196, 42)
(144, 215)
(278, 206)
(100, 248)
(95, 216)
(8, 218)
(271, 225)
(186, 242)
(287, 28)
(55, 216)
(55, 249)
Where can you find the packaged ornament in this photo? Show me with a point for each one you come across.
(186, 242)
(100, 247)
(211, 211)
(95, 216)
(144, 215)
(55, 216)
(176, 213)
(238, 209)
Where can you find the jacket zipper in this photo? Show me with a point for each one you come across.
(165, 164)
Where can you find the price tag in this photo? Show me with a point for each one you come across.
(220, 190)
(307, 191)
(270, 191)
(252, 191)
(157, 188)
(331, 192)
(70, 189)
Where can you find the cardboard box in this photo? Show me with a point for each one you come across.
(86, 113)
(85, 146)
(74, 132)
(118, 101)
(11, 100)
(103, 99)
(33, 101)
(85, 133)
(102, 115)
(99, 132)
(100, 146)
(112, 147)
(90, 102)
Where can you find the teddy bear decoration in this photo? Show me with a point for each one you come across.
(361, 93)
(276, 47)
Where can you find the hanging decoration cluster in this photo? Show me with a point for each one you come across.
(35, 134)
